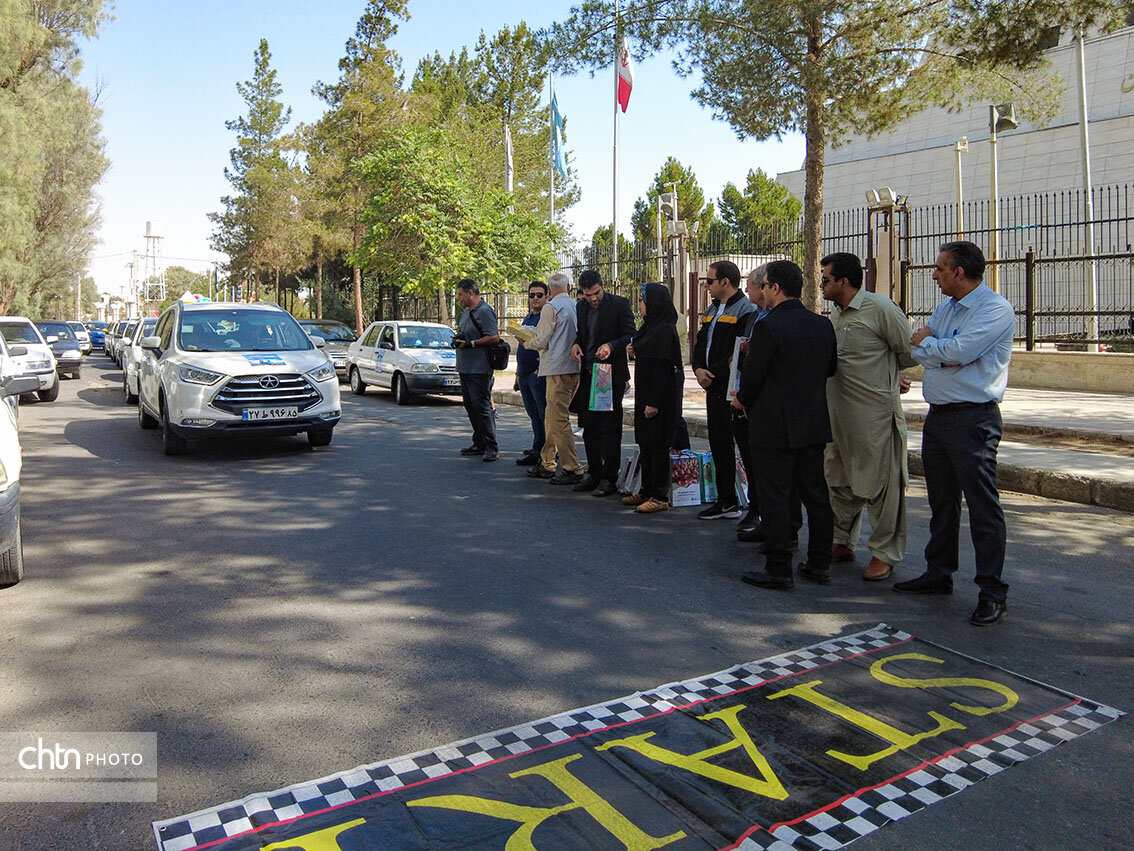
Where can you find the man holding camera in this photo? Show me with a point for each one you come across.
(477, 331)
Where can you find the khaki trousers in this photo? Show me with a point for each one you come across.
(887, 512)
(557, 423)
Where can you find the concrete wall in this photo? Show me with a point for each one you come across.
(1086, 371)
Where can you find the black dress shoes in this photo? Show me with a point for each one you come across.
(587, 483)
(987, 613)
(473, 450)
(606, 488)
(925, 584)
(540, 472)
(763, 579)
(527, 460)
(753, 534)
(819, 577)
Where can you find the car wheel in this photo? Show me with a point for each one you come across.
(131, 398)
(357, 385)
(173, 444)
(12, 562)
(401, 389)
(319, 436)
(50, 394)
(78, 373)
(145, 421)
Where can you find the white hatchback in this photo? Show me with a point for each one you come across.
(406, 357)
(12, 385)
(38, 361)
(234, 370)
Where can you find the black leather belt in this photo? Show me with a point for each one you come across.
(960, 406)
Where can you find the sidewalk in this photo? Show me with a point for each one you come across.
(1041, 460)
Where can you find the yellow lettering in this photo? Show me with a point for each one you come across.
(767, 784)
(321, 840)
(1010, 697)
(580, 796)
(898, 739)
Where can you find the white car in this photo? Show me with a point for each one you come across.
(132, 356)
(83, 335)
(12, 385)
(234, 370)
(38, 361)
(406, 357)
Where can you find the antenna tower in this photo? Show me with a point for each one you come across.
(153, 276)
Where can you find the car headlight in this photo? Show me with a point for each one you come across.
(196, 375)
(424, 367)
(323, 373)
(38, 364)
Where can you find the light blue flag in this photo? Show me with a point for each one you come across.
(556, 136)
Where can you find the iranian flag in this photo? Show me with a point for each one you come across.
(625, 75)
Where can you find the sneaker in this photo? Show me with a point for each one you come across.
(473, 450)
(539, 472)
(527, 460)
(566, 478)
(716, 511)
(652, 505)
(490, 455)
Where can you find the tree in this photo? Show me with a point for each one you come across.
(823, 68)
(257, 227)
(691, 206)
(760, 215)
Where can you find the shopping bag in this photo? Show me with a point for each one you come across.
(630, 474)
(734, 370)
(602, 388)
(685, 478)
(741, 484)
(708, 476)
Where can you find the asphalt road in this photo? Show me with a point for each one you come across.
(278, 614)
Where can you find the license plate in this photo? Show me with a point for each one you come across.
(270, 414)
(452, 382)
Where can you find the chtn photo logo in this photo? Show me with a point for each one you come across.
(55, 757)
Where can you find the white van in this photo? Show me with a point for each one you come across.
(405, 357)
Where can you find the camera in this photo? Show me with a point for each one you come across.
(455, 342)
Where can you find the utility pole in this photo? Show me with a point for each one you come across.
(78, 298)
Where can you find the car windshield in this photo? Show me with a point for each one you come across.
(424, 337)
(19, 332)
(96, 326)
(223, 330)
(332, 332)
(77, 327)
(60, 329)
(128, 329)
(148, 326)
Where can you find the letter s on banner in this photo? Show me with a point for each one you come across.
(1010, 697)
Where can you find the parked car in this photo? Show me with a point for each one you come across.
(83, 336)
(338, 337)
(37, 360)
(132, 355)
(125, 332)
(234, 370)
(12, 385)
(108, 340)
(65, 346)
(97, 330)
(406, 357)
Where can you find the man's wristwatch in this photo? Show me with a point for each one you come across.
(473, 343)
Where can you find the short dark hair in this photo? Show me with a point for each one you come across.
(590, 278)
(468, 284)
(539, 284)
(726, 269)
(844, 265)
(968, 256)
(788, 275)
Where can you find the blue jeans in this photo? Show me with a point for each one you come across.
(533, 389)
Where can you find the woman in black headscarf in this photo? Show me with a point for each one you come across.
(657, 371)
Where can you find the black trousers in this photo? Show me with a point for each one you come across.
(653, 460)
(721, 435)
(777, 470)
(476, 393)
(958, 452)
(602, 431)
(795, 506)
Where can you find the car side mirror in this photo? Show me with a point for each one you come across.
(385, 344)
(17, 351)
(52, 339)
(318, 341)
(150, 343)
(18, 386)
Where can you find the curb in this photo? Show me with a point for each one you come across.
(1051, 484)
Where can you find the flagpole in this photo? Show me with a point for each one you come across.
(614, 218)
(551, 142)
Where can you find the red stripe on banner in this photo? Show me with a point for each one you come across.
(760, 684)
(771, 830)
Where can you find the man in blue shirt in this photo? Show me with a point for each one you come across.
(532, 386)
(965, 348)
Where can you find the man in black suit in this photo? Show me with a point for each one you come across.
(783, 387)
(606, 326)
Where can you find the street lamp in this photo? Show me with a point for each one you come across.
(960, 147)
(1000, 117)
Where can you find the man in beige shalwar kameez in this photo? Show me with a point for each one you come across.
(865, 464)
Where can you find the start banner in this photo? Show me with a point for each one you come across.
(810, 749)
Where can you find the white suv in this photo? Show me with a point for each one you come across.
(38, 361)
(234, 370)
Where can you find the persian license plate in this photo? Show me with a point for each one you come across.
(452, 382)
(270, 414)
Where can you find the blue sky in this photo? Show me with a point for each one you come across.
(167, 74)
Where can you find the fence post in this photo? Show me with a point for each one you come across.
(1030, 300)
(903, 286)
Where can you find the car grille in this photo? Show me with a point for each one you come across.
(451, 369)
(246, 391)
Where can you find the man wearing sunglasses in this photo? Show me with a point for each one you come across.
(532, 386)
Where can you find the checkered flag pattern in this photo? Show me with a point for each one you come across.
(833, 828)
